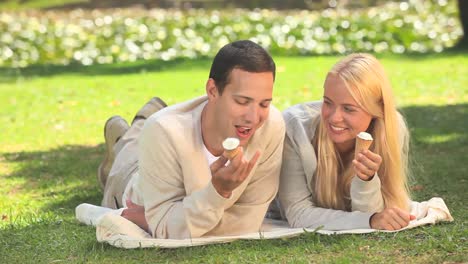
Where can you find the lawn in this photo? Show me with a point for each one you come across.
(51, 123)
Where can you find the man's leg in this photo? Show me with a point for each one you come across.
(114, 129)
(125, 149)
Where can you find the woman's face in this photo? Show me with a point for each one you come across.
(341, 115)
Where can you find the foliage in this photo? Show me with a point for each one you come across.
(122, 35)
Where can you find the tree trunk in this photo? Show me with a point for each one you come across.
(463, 8)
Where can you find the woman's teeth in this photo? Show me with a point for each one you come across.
(337, 128)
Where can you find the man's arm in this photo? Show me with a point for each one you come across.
(136, 214)
(247, 213)
(171, 212)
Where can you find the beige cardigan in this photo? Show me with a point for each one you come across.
(174, 179)
(298, 168)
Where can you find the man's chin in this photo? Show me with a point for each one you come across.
(245, 141)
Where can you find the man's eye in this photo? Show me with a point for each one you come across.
(242, 102)
(265, 105)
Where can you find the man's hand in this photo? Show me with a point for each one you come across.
(136, 214)
(391, 219)
(226, 178)
(366, 164)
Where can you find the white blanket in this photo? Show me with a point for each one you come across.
(119, 232)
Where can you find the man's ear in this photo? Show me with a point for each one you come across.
(211, 89)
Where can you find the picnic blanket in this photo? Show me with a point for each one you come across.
(117, 231)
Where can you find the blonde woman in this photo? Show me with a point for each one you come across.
(322, 182)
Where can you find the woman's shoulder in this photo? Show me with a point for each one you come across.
(302, 112)
(302, 119)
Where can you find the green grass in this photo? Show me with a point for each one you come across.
(51, 121)
(36, 4)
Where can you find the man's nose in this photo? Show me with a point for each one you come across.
(253, 115)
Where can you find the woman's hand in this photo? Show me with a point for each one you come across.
(391, 219)
(366, 164)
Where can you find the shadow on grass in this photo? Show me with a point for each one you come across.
(11, 74)
(66, 176)
(433, 121)
(63, 177)
(439, 151)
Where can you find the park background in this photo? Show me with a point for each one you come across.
(66, 66)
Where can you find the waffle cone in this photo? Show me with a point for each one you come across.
(361, 145)
(230, 154)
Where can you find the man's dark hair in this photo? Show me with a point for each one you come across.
(244, 55)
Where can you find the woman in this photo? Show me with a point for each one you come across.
(322, 182)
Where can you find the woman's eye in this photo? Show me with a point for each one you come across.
(348, 109)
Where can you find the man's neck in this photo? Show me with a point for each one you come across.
(208, 131)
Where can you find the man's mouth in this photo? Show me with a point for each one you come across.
(243, 132)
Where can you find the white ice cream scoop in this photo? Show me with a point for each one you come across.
(231, 147)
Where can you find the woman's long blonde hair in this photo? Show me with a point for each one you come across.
(368, 84)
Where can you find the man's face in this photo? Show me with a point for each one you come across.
(243, 106)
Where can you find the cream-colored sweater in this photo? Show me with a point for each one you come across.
(174, 179)
(298, 168)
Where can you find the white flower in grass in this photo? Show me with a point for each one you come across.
(310, 45)
(99, 22)
(78, 55)
(104, 59)
(143, 30)
(205, 49)
(223, 40)
(259, 28)
(7, 53)
(398, 49)
(6, 38)
(189, 54)
(255, 16)
(157, 45)
(215, 18)
(132, 47)
(161, 34)
(129, 22)
(381, 47)
(108, 20)
(300, 44)
(86, 61)
(264, 40)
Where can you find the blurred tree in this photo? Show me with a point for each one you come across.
(463, 8)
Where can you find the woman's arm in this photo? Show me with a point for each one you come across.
(295, 196)
(365, 189)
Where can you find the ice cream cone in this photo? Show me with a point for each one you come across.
(363, 142)
(231, 147)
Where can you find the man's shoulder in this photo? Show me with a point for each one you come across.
(275, 118)
(177, 116)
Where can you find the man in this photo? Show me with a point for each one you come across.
(169, 169)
